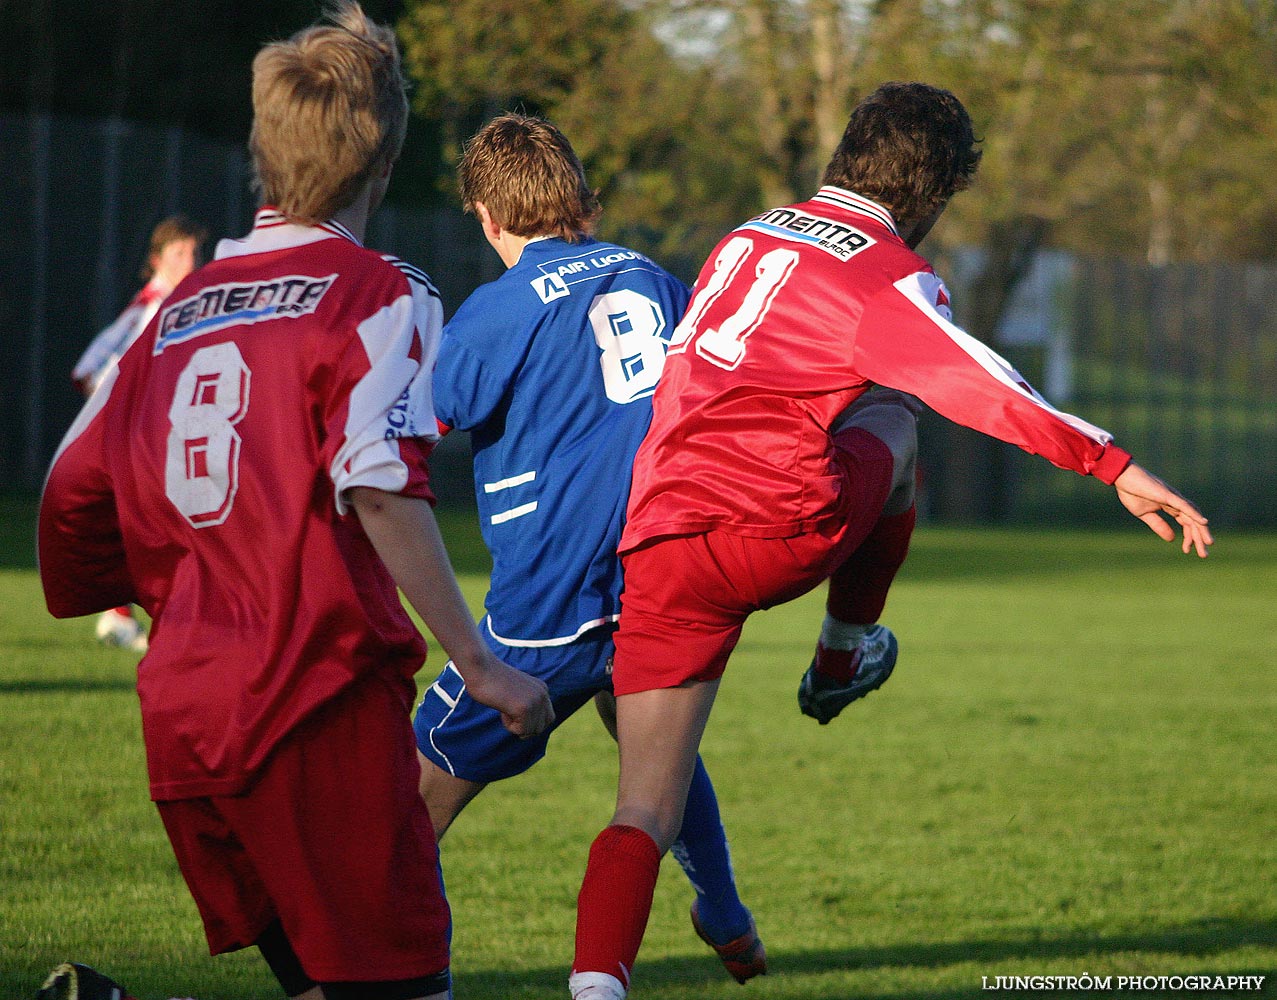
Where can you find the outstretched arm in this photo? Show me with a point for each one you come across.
(1148, 498)
(403, 531)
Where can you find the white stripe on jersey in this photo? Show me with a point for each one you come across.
(437, 688)
(369, 455)
(513, 512)
(340, 230)
(505, 484)
(920, 288)
(562, 640)
(853, 202)
(265, 238)
(413, 273)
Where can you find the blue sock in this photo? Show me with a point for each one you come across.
(701, 850)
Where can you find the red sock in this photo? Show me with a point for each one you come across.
(615, 901)
(858, 588)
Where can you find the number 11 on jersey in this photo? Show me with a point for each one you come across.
(725, 345)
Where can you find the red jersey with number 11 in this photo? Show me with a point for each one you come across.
(205, 479)
(796, 313)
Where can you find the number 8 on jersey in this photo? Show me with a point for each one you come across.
(201, 473)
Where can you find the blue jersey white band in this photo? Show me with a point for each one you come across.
(562, 640)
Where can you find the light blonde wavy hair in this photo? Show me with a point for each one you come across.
(330, 110)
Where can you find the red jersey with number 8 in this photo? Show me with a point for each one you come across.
(205, 480)
(796, 313)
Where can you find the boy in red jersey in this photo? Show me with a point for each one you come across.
(174, 253)
(775, 461)
(253, 473)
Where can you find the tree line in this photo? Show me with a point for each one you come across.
(1145, 128)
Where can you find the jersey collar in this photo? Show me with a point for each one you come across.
(273, 231)
(852, 202)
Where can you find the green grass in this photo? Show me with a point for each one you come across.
(1072, 771)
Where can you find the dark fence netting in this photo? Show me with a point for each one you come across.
(1179, 361)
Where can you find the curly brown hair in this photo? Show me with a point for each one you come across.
(908, 146)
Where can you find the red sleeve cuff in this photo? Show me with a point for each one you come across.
(415, 453)
(1112, 463)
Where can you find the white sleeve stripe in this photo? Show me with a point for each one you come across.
(992, 362)
(369, 454)
(505, 484)
(512, 513)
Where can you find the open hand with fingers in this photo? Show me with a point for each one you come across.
(1152, 501)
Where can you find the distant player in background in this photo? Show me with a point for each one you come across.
(253, 473)
(174, 253)
(551, 369)
(773, 463)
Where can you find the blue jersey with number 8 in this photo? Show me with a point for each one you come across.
(551, 368)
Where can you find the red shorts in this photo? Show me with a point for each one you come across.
(334, 840)
(686, 598)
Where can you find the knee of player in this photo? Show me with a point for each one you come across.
(660, 822)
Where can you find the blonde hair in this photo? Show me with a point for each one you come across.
(330, 110)
(526, 173)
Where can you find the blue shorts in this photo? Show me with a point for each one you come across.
(468, 740)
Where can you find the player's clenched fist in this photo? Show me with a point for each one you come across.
(522, 700)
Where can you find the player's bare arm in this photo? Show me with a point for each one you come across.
(405, 534)
(1152, 501)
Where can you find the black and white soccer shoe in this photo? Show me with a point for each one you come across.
(869, 665)
(73, 981)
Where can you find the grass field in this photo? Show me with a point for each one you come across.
(1074, 770)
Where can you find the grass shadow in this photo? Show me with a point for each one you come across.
(1001, 552)
(687, 976)
(67, 685)
(1205, 937)
(679, 978)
